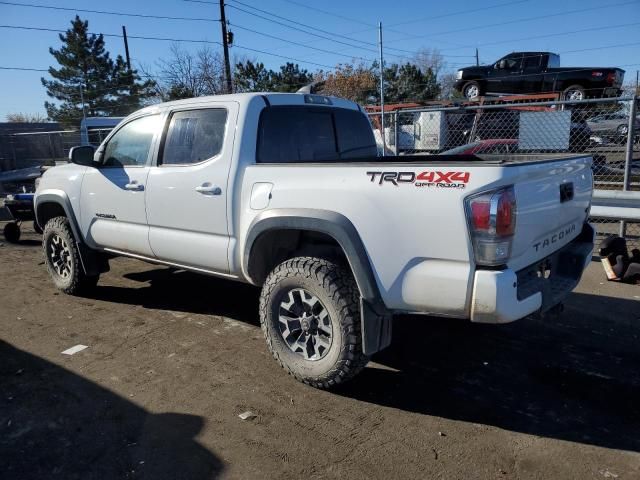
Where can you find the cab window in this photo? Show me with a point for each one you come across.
(194, 136)
(130, 145)
(299, 134)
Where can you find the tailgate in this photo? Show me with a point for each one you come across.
(553, 200)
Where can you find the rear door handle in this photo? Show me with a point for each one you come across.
(208, 189)
(134, 186)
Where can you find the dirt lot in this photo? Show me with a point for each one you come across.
(173, 358)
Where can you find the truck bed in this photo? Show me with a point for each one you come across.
(462, 160)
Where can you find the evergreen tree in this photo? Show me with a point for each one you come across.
(408, 83)
(291, 78)
(252, 77)
(88, 73)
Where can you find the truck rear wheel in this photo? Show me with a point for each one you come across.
(62, 258)
(574, 92)
(310, 316)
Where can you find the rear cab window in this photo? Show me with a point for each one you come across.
(305, 134)
(193, 136)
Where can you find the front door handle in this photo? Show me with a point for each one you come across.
(209, 189)
(134, 186)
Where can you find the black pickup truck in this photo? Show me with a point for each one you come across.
(537, 72)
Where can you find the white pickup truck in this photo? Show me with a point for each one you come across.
(285, 191)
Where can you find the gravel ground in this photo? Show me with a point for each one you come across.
(174, 358)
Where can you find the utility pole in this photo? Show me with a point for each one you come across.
(477, 58)
(126, 47)
(384, 143)
(84, 115)
(225, 47)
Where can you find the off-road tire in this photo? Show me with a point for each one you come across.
(77, 282)
(335, 287)
(11, 232)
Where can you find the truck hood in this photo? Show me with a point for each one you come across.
(469, 72)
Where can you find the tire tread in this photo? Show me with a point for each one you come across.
(341, 288)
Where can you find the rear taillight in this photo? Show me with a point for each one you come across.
(492, 221)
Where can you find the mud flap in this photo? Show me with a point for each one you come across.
(93, 263)
(376, 326)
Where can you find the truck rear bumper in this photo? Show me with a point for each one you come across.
(504, 296)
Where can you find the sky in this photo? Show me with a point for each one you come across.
(584, 33)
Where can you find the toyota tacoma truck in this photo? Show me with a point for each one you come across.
(286, 192)
(537, 72)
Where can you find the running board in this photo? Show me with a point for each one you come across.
(171, 264)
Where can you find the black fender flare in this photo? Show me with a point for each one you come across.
(375, 317)
(92, 263)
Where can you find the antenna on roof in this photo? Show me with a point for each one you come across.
(312, 87)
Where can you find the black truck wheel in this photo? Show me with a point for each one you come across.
(471, 90)
(574, 92)
(310, 316)
(12, 232)
(62, 258)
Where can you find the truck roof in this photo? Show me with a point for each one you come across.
(271, 97)
(535, 53)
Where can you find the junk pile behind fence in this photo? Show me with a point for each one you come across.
(606, 129)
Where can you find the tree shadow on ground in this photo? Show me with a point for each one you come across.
(573, 378)
(56, 424)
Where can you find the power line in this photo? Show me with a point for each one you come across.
(520, 20)
(558, 34)
(170, 77)
(25, 69)
(301, 45)
(104, 12)
(166, 39)
(117, 35)
(349, 19)
(460, 12)
(284, 57)
(318, 29)
(300, 29)
(371, 44)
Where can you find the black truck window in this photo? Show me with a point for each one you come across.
(302, 134)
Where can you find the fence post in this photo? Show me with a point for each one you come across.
(395, 132)
(629, 156)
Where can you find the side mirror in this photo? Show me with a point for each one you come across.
(501, 64)
(82, 155)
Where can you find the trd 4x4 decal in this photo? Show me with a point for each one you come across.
(429, 178)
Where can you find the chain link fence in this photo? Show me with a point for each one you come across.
(22, 152)
(608, 130)
(598, 127)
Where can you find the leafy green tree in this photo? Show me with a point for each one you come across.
(355, 82)
(87, 72)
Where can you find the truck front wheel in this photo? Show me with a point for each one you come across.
(471, 90)
(310, 316)
(62, 258)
